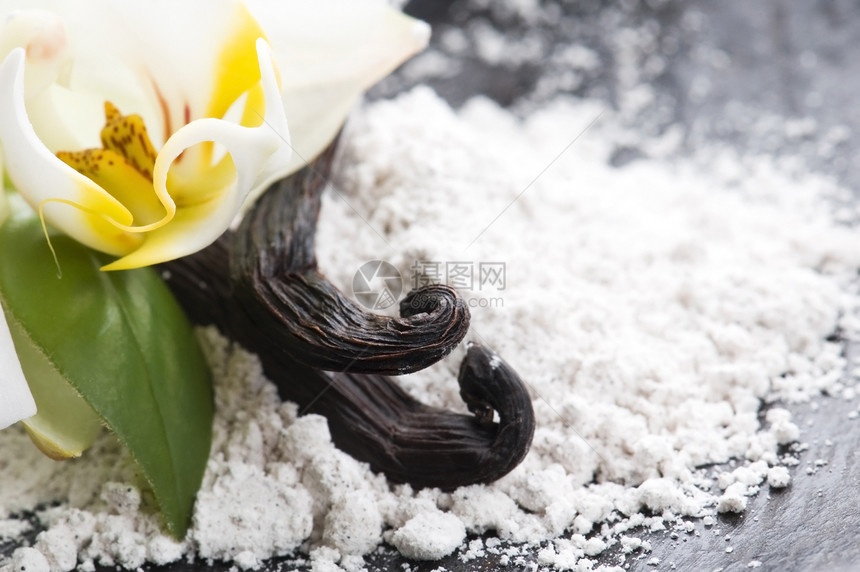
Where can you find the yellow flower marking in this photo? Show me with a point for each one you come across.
(147, 205)
(127, 136)
(239, 72)
(238, 75)
(123, 167)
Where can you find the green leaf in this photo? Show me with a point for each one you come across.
(123, 343)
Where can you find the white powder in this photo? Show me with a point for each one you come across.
(778, 477)
(429, 535)
(734, 499)
(652, 309)
(12, 528)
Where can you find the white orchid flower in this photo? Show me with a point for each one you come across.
(141, 128)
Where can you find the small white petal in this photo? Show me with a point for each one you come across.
(16, 401)
(160, 59)
(157, 56)
(50, 55)
(63, 119)
(5, 209)
(42, 34)
(329, 52)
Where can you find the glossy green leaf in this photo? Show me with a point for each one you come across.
(123, 343)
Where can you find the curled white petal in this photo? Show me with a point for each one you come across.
(5, 209)
(16, 401)
(43, 35)
(66, 197)
(330, 52)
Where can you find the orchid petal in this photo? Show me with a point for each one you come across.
(331, 51)
(172, 72)
(59, 116)
(167, 77)
(197, 85)
(42, 34)
(70, 201)
(16, 401)
(259, 154)
(5, 209)
(62, 118)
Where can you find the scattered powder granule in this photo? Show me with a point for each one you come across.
(725, 479)
(12, 528)
(29, 560)
(594, 546)
(752, 474)
(353, 524)
(781, 426)
(429, 536)
(474, 550)
(629, 544)
(778, 477)
(561, 555)
(324, 559)
(482, 508)
(734, 499)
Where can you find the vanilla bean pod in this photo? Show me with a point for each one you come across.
(260, 287)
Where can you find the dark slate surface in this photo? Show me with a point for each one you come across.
(736, 72)
(728, 64)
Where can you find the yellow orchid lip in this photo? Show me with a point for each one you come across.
(123, 166)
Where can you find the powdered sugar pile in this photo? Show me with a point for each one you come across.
(652, 309)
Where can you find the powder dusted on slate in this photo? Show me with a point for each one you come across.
(652, 309)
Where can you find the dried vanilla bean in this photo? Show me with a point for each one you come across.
(260, 286)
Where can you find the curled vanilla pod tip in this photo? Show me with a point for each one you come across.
(260, 286)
